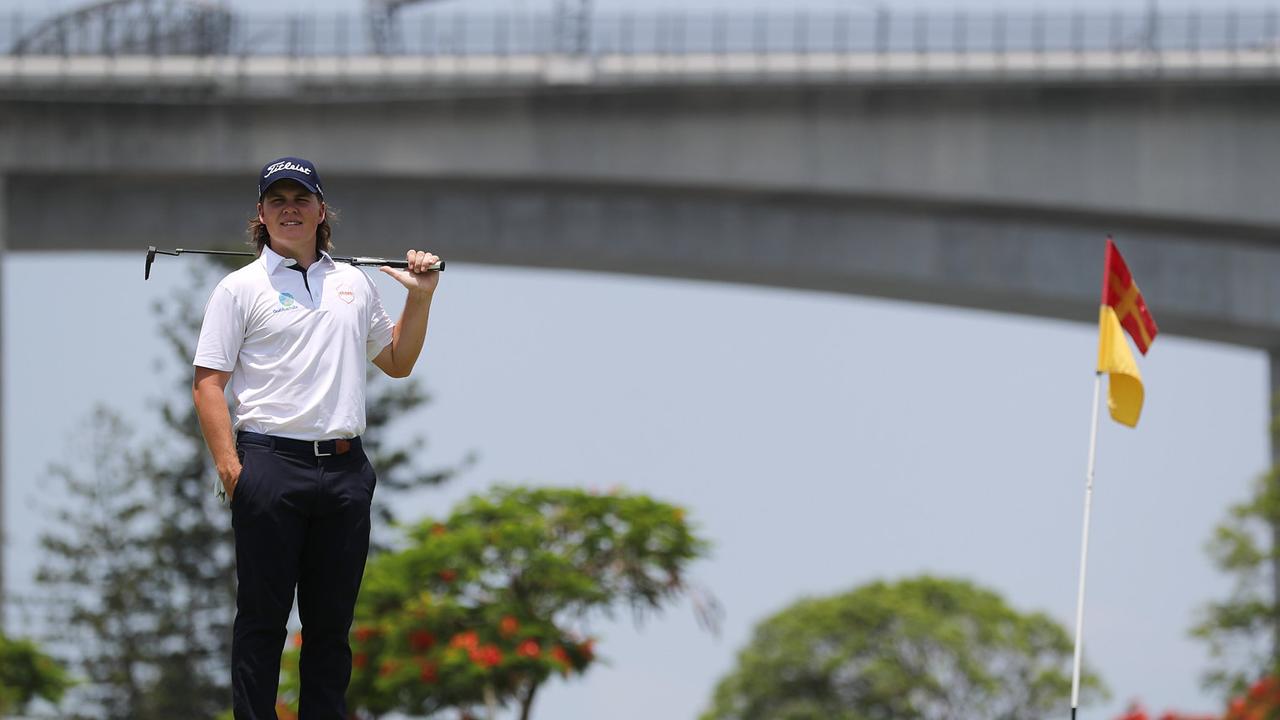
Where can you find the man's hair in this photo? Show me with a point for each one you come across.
(260, 238)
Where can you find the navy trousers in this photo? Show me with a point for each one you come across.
(300, 521)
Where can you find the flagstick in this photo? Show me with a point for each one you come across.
(1084, 547)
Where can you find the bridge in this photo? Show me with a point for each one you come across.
(967, 160)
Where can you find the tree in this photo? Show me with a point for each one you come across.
(27, 674)
(1137, 712)
(918, 649)
(140, 568)
(110, 613)
(1243, 631)
(1260, 702)
(484, 607)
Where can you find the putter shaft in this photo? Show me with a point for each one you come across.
(152, 251)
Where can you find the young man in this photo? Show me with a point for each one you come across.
(291, 333)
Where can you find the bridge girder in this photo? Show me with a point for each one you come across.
(1209, 281)
(383, 16)
(122, 27)
(572, 24)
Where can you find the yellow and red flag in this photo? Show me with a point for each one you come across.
(1121, 293)
(1123, 310)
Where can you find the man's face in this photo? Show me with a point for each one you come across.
(291, 214)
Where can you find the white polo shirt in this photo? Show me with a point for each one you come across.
(297, 348)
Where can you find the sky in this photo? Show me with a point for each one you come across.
(819, 440)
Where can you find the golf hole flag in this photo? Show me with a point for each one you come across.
(1123, 311)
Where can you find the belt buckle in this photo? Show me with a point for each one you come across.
(315, 445)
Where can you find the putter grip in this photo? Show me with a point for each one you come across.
(391, 263)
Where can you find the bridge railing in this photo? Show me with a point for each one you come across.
(436, 33)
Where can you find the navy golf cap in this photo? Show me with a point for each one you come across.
(290, 168)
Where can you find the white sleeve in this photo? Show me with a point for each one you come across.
(380, 325)
(222, 333)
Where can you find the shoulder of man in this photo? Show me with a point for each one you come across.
(248, 276)
(241, 284)
(352, 274)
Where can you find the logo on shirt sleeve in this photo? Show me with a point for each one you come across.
(346, 294)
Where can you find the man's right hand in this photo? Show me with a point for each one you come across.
(230, 476)
(208, 392)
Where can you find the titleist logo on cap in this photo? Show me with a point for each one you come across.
(273, 169)
(289, 168)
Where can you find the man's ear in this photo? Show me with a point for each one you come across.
(260, 218)
(324, 210)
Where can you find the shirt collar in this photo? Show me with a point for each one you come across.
(272, 259)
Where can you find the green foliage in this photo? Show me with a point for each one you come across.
(140, 566)
(485, 606)
(1243, 630)
(919, 649)
(27, 674)
(136, 607)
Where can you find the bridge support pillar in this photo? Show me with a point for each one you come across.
(1273, 402)
(4, 539)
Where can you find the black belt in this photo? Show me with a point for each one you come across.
(310, 448)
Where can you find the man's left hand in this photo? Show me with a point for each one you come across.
(418, 278)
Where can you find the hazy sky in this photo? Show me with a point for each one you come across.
(819, 440)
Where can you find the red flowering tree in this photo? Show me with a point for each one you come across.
(1260, 702)
(1137, 712)
(484, 607)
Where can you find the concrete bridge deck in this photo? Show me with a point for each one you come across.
(150, 78)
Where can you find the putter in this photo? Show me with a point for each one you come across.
(357, 261)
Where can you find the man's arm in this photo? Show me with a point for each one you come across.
(208, 390)
(398, 358)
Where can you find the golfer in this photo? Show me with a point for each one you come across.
(291, 333)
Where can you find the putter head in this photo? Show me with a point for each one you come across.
(151, 257)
